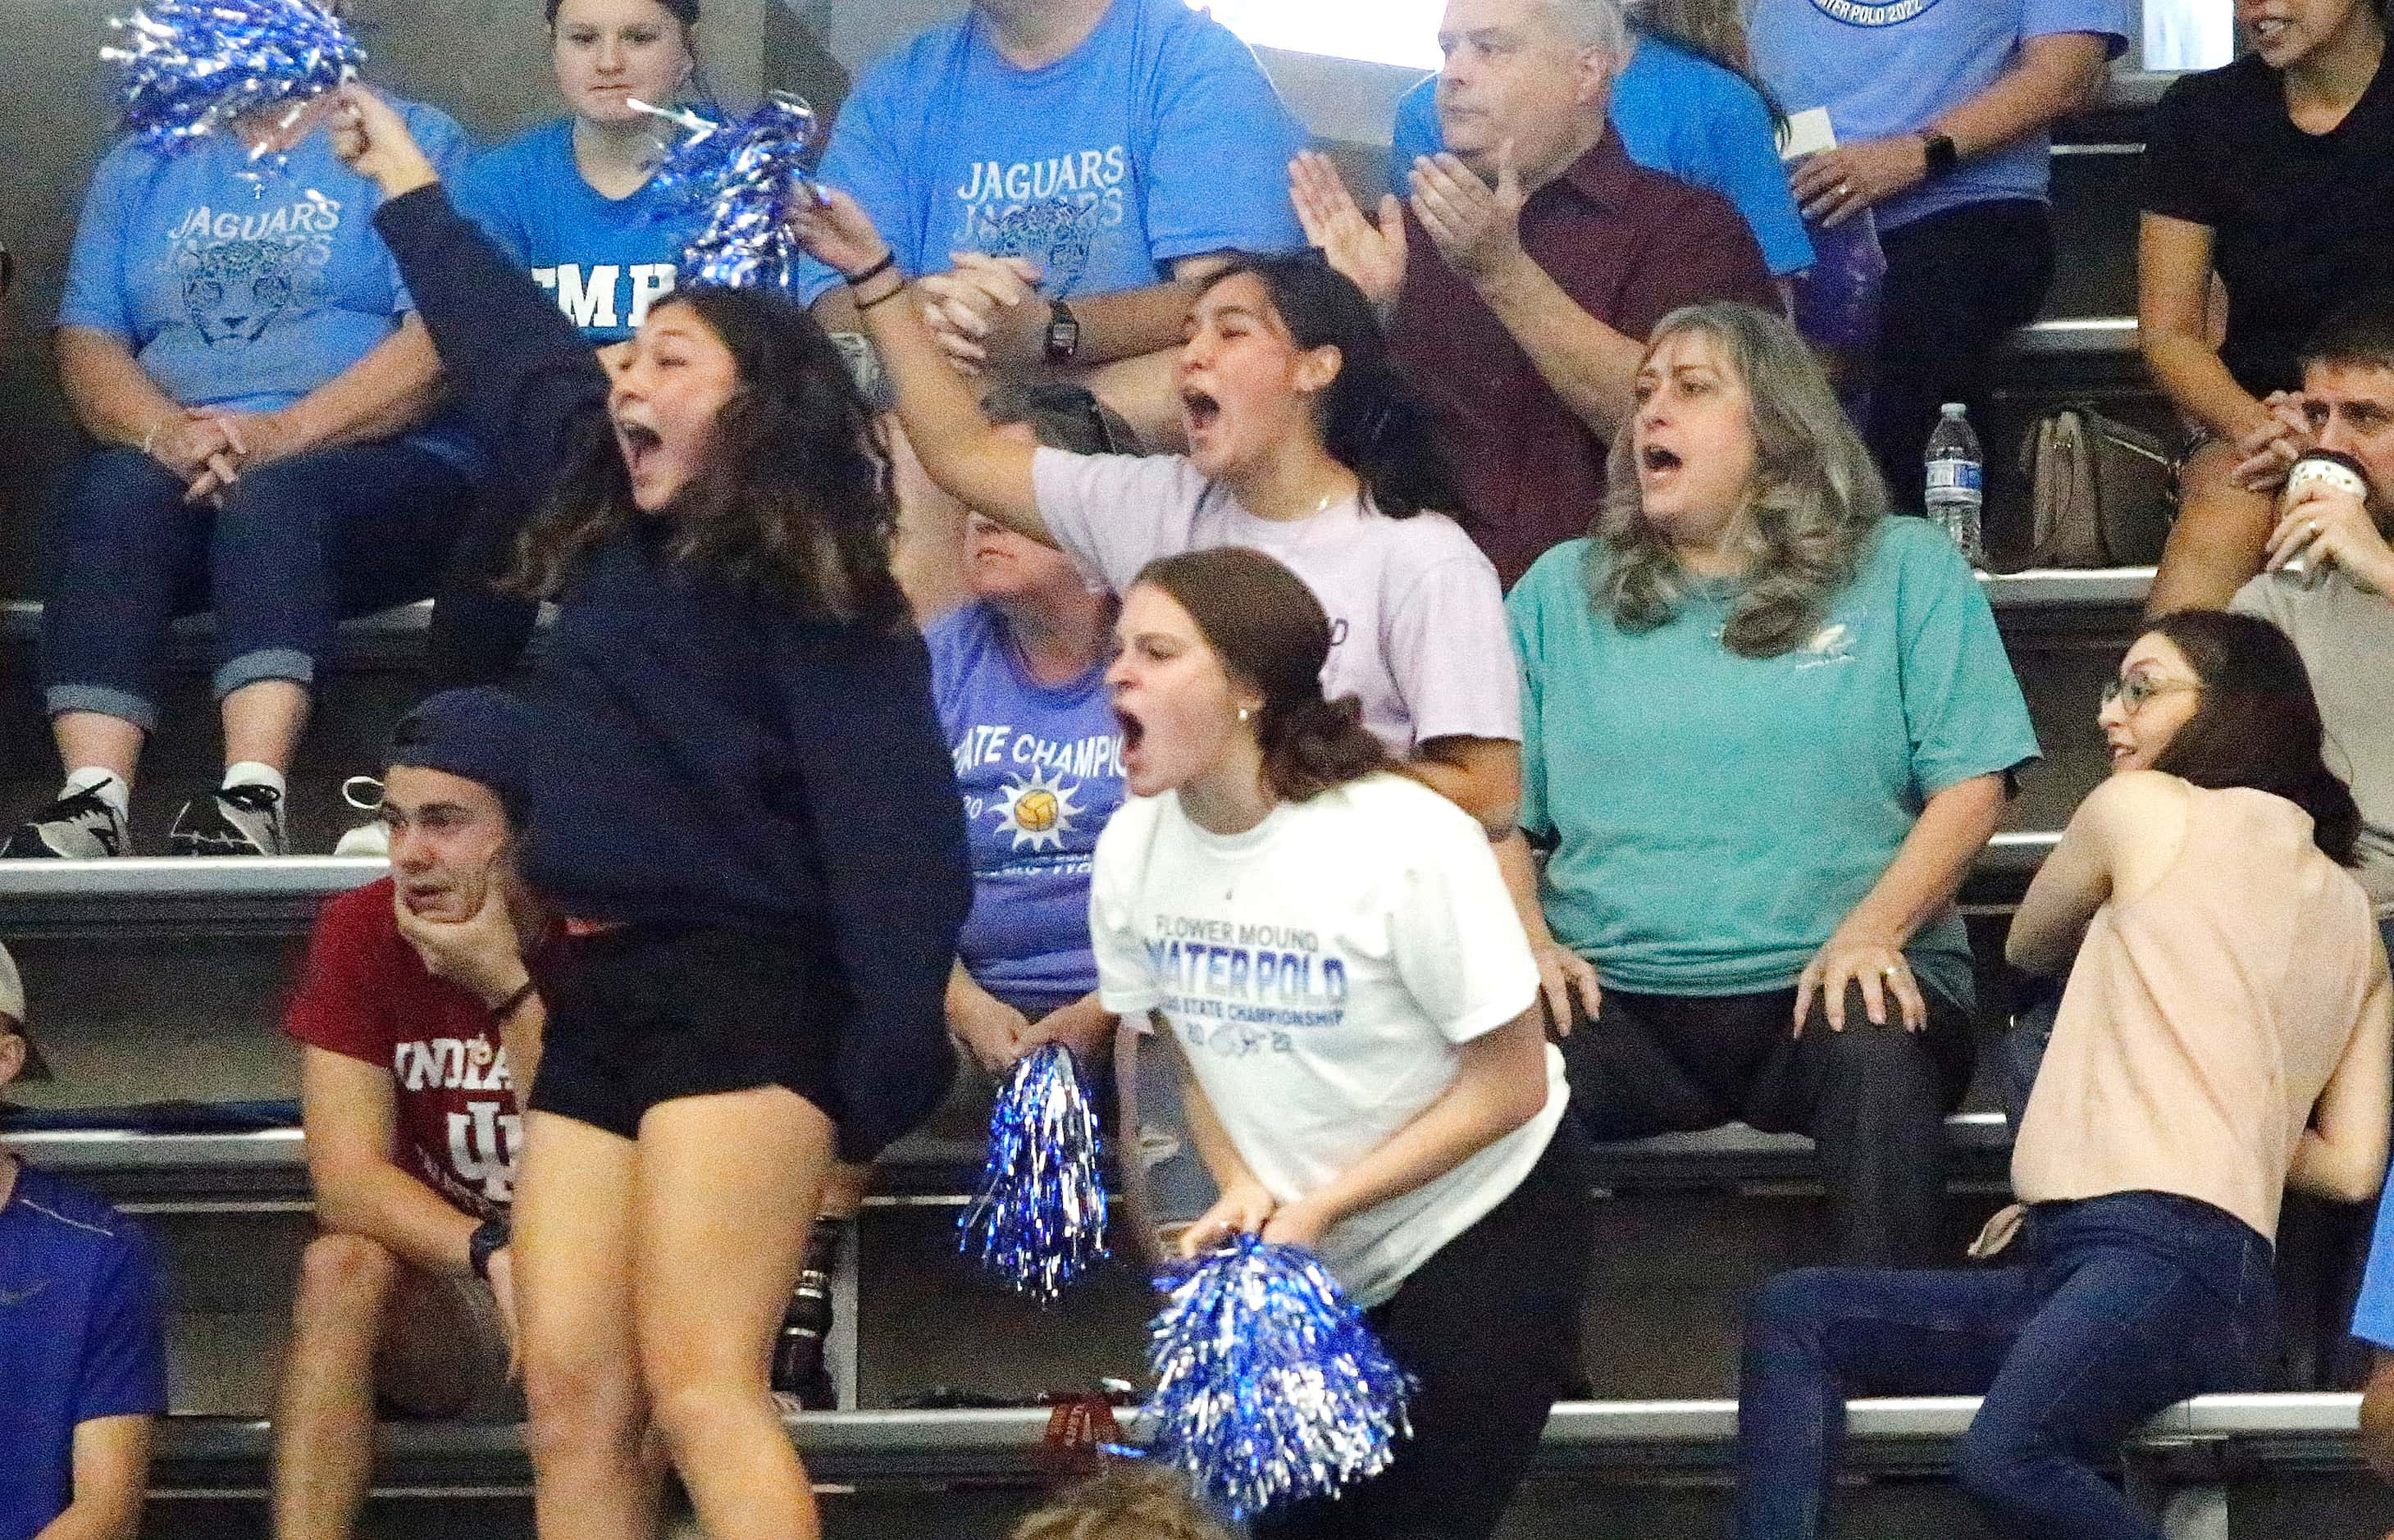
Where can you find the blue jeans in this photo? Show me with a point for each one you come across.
(2123, 1305)
(296, 545)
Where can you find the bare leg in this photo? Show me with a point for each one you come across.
(2216, 545)
(727, 1192)
(95, 738)
(324, 1417)
(263, 722)
(572, 1259)
(844, 1190)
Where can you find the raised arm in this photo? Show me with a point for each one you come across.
(985, 470)
(528, 382)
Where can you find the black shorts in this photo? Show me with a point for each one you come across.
(643, 1015)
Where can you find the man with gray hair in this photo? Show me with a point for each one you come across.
(1531, 259)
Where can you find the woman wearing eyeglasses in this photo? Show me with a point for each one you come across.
(2225, 1033)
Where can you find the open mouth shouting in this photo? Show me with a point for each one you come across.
(1199, 411)
(1654, 462)
(639, 443)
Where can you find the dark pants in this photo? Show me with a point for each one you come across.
(1873, 1099)
(479, 634)
(1957, 281)
(1490, 1328)
(296, 545)
(2123, 1305)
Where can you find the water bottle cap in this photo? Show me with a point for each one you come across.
(1954, 409)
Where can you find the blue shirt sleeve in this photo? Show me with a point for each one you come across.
(1962, 704)
(1416, 133)
(95, 293)
(865, 161)
(447, 147)
(2108, 18)
(123, 1368)
(1216, 172)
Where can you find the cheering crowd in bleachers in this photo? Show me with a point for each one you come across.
(1430, 682)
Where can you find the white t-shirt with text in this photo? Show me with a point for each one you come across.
(1318, 972)
(1417, 628)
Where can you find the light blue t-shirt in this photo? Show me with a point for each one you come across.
(1040, 770)
(1158, 137)
(242, 284)
(1677, 113)
(606, 259)
(1716, 817)
(1885, 67)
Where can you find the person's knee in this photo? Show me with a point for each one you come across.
(1793, 1306)
(1996, 1469)
(345, 1281)
(581, 1405)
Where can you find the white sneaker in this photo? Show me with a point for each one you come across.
(373, 837)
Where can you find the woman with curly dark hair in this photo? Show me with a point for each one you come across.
(744, 802)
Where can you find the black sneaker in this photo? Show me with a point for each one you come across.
(80, 825)
(238, 821)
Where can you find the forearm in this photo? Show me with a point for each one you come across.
(1500, 1089)
(973, 464)
(1482, 776)
(520, 1036)
(1137, 322)
(385, 1204)
(113, 397)
(1520, 868)
(2342, 1171)
(2054, 76)
(1919, 883)
(2190, 373)
(1221, 1158)
(113, 1516)
(381, 396)
(1587, 364)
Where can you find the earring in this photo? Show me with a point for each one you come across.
(1244, 714)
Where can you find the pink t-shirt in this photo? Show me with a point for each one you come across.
(1417, 627)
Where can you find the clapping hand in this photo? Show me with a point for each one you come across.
(1477, 228)
(1370, 256)
(983, 314)
(2271, 448)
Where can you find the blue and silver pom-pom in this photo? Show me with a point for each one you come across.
(744, 179)
(1039, 1221)
(193, 66)
(1269, 1385)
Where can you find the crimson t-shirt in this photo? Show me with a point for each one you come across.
(367, 994)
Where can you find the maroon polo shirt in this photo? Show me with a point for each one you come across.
(1629, 246)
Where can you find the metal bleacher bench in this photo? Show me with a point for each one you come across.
(2181, 1461)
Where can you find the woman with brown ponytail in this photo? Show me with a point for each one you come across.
(1351, 1005)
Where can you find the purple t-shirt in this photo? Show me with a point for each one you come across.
(1040, 771)
(1417, 628)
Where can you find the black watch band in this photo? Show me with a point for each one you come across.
(490, 1236)
(1063, 333)
(1942, 155)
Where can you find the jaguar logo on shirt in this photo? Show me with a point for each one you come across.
(1872, 13)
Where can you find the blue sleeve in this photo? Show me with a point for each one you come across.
(865, 161)
(2108, 18)
(1962, 704)
(1216, 172)
(1742, 160)
(446, 146)
(2373, 1313)
(1416, 133)
(123, 1368)
(95, 295)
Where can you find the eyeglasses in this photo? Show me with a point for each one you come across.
(2134, 692)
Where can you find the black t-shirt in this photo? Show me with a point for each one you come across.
(2299, 221)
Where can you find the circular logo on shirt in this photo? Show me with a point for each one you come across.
(1034, 812)
(1872, 13)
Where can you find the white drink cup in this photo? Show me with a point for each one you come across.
(2320, 468)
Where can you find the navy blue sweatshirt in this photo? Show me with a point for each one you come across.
(706, 756)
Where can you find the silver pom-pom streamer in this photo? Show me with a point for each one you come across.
(193, 66)
(745, 177)
(1039, 1220)
(1271, 1387)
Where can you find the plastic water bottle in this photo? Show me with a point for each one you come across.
(1957, 477)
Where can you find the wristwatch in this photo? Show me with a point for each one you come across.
(490, 1236)
(1063, 333)
(1942, 155)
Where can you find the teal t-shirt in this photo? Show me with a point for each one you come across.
(1714, 818)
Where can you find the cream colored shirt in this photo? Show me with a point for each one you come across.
(2203, 1019)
